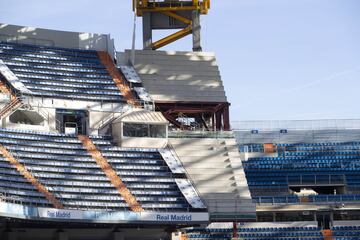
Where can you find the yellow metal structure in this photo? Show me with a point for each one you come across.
(171, 9)
(140, 6)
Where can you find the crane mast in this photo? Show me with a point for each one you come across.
(182, 15)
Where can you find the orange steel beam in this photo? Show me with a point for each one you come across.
(111, 174)
(21, 169)
(120, 83)
(171, 38)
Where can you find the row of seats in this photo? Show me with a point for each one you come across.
(60, 73)
(303, 164)
(280, 233)
(64, 166)
(283, 233)
(317, 144)
(346, 232)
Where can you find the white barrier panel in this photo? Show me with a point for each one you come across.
(25, 212)
(189, 193)
(130, 74)
(173, 163)
(59, 213)
(12, 78)
(174, 217)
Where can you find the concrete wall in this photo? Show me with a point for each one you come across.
(89, 233)
(215, 167)
(47, 37)
(178, 76)
(98, 113)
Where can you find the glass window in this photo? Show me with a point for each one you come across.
(144, 130)
(135, 130)
(158, 131)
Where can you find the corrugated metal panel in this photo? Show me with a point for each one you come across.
(143, 116)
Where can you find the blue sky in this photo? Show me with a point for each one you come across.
(279, 59)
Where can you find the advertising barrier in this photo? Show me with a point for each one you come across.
(26, 212)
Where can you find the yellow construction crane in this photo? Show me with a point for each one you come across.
(171, 14)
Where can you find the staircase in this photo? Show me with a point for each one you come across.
(23, 171)
(11, 106)
(120, 83)
(111, 174)
(327, 234)
(215, 167)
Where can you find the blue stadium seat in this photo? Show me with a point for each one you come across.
(60, 73)
(63, 165)
(304, 164)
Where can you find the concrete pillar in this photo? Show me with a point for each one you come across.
(10, 235)
(196, 31)
(118, 236)
(147, 30)
(61, 236)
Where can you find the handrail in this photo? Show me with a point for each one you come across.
(174, 153)
(316, 124)
(311, 199)
(201, 134)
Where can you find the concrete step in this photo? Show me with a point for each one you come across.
(200, 165)
(180, 93)
(207, 162)
(206, 189)
(151, 66)
(197, 141)
(204, 159)
(168, 73)
(178, 55)
(216, 173)
(203, 153)
(186, 87)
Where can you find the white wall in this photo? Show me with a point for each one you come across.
(178, 76)
(47, 37)
(97, 111)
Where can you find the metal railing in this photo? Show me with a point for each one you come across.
(201, 134)
(233, 206)
(321, 124)
(337, 200)
(316, 179)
